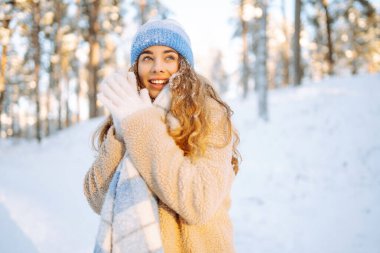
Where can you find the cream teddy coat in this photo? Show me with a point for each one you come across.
(194, 196)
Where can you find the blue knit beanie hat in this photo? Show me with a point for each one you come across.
(166, 32)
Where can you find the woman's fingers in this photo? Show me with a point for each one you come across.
(119, 95)
(107, 103)
(126, 84)
(109, 91)
(144, 95)
(122, 85)
(131, 77)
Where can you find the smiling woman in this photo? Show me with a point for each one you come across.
(167, 154)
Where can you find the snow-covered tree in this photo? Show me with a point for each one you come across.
(358, 41)
(345, 35)
(5, 33)
(285, 47)
(146, 9)
(103, 18)
(218, 73)
(261, 62)
(296, 43)
(245, 17)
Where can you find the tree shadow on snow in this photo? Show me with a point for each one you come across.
(12, 238)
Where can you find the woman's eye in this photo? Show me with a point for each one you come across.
(147, 58)
(171, 57)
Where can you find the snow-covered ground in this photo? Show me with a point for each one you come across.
(309, 181)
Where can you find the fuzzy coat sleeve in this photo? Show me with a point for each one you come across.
(194, 190)
(99, 176)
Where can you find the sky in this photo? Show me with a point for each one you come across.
(207, 23)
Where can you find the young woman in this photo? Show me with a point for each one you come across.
(186, 154)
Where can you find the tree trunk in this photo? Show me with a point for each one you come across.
(67, 98)
(94, 55)
(355, 48)
(53, 88)
(60, 102)
(285, 49)
(76, 66)
(262, 71)
(245, 60)
(3, 71)
(78, 101)
(142, 7)
(37, 59)
(51, 85)
(329, 57)
(48, 108)
(296, 43)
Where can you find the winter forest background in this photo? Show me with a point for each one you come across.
(55, 53)
(302, 76)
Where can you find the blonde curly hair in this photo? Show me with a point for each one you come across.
(189, 93)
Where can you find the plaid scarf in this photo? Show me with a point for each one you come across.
(129, 217)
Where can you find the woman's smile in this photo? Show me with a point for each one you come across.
(158, 83)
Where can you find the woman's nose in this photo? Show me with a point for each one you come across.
(158, 66)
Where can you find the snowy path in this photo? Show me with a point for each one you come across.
(310, 180)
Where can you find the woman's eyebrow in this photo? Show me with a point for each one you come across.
(165, 52)
(170, 51)
(147, 52)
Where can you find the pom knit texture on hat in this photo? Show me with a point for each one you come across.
(162, 33)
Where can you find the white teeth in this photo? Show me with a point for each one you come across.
(158, 81)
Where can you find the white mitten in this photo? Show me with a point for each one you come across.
(119, 95)
(164, 99)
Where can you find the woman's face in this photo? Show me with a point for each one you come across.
(155, 66)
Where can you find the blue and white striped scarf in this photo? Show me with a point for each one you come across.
(129, 217)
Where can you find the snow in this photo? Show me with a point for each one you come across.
(309, 180)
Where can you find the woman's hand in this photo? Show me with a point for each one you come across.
(163, 100)
(119, 95)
